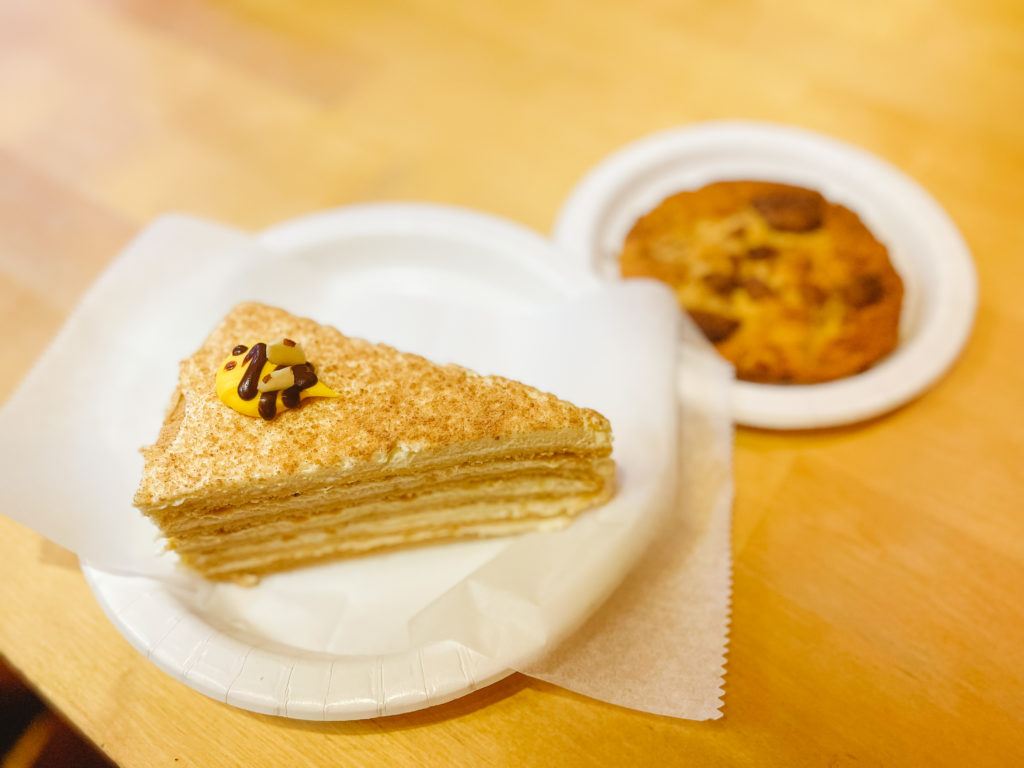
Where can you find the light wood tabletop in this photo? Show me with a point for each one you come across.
(877, 615)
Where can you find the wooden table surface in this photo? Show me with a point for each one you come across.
(877, 618)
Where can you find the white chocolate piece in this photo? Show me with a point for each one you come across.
(277, 380)
(285, 352)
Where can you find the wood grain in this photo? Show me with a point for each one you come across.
(877, 616)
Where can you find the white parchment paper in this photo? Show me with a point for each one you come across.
(71, 435)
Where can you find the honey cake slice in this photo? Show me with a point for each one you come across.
(361, 448)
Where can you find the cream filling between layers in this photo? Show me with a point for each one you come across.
(397, 513)
(403, 460)
(486, 519)
(473, 512)
(345, 504)
(183, 517)
(393, 509)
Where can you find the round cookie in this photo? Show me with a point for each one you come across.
(790, 288)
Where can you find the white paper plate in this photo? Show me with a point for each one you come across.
(924, 245)
(453, 254)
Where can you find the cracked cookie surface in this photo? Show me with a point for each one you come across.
(788, 286)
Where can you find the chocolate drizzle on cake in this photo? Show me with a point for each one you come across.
(249, 386)
(267, 406)
(305, 377)
(256, 358)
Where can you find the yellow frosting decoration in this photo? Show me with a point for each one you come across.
(228, 380)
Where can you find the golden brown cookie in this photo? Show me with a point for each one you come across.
(790, 288)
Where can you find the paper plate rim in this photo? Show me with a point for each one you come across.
(946, 274)
(298, 685)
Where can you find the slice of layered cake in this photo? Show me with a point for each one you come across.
(288, 443)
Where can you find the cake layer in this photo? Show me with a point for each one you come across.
(247, 572)
(482, 519)
(185, 515)
(403, 461)
(249, 542)
(573, 476)
(392, 512)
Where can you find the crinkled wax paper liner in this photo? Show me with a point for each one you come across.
(658, 643)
